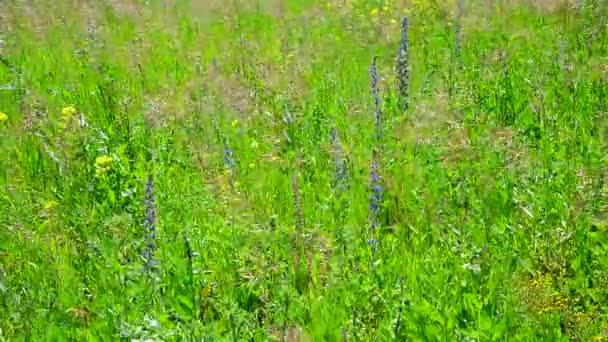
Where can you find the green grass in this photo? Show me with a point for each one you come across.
(494, 215)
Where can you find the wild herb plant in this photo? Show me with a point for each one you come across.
(149, 225)
(402, 67)
(340, 186)
(480, 193)
(375, 195)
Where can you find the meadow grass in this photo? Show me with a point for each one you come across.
(301, 170)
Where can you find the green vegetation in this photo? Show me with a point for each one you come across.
(200, 170)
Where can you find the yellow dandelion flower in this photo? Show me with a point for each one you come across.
(103, 164)
(206, 291)
(67, 112)
(3, 117)
(103, 161)
(49, 205)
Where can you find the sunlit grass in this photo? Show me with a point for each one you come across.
(191, 170)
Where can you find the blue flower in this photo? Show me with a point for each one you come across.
(228, 157)
(373, 72)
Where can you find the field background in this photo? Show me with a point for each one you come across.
(212, 170)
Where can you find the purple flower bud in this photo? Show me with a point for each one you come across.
(228, 157)
(402, 68)
(374, 78)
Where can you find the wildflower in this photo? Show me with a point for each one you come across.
(49, 205)
(103, 164)
(339, 184)
(67, 112)
(375, 198)
(3, 117)
(373, 72)
(149, 224)
(228, 157)
(230, 163)
(297, 203)
(402, 68)
(340, 168)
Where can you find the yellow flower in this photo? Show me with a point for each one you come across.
(67, 112)
(49, 205)
(103, 164)
(3, 117)
(103, 161)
